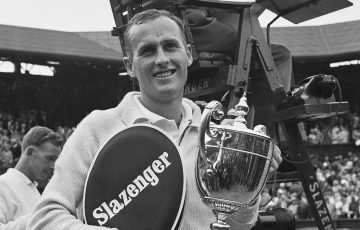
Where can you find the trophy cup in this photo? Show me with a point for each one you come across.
(233, 161)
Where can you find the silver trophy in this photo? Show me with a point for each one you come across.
(233, 162)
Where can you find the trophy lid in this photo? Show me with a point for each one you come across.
(232, 128)
(238, 124)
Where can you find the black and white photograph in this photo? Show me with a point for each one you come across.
(180, 115)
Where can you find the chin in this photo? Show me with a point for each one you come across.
(170, 94)
(170, 90)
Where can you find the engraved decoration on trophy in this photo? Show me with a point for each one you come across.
(233, 162)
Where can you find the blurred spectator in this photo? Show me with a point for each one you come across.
(316, 135)
(293, 205)
(340, 133)
(354, 206)
(303, 211)
(6, 156)
(16, 148)
(355, 135)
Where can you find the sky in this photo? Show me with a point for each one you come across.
(96, 15)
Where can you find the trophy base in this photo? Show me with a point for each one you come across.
(219, 226)
(224, 206)
(220, 223)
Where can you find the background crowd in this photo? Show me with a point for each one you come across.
(342, 129)
(338, 175)
(339, 180)
(57, 103)
(14, 127)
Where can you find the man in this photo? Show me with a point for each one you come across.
(18, 193)
(158, 57)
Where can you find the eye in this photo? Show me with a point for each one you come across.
(52, 158)
(171, 46)
(146, 51)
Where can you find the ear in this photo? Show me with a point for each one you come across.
(128, 66)
(189, 54)
(29, 151)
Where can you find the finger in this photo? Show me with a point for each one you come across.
(276, 161)
(274, 166)
(277, 155)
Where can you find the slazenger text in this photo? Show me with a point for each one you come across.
(107, 211)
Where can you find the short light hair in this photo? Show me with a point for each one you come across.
(146, 16)
(38, 135)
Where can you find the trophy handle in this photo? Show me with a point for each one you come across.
(214, 109)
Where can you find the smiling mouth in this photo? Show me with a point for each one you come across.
(164, 74)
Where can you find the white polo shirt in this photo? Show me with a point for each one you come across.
(18, 197)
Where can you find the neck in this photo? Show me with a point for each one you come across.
(22, 167)
(169, 110)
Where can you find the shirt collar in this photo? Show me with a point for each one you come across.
(145, 113)
(19, 175)
(132, 111)
(135, 112)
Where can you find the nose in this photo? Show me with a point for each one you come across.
(52, 166)
(162, 58)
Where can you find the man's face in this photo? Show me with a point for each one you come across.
(160, 60)
(43, 159)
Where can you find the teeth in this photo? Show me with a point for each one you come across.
(163, 74)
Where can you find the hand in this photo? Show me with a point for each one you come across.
(276, 161)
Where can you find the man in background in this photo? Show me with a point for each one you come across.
(40, 148)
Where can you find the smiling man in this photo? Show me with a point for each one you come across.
(18, 193)
(158, 57)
